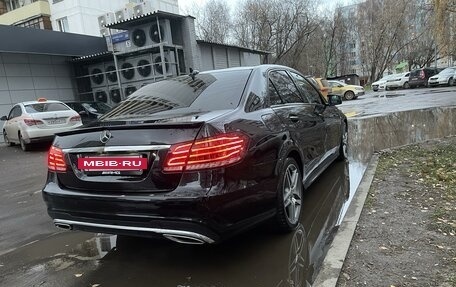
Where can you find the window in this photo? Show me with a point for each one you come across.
(45, 107)
(274, 98)
(285, 87)
(307, 89)
(63, 24)
(204, 92)
(353, 54)
(15, 112)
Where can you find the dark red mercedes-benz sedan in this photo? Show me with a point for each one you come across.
(197, 158)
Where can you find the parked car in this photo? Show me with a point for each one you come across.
(197, 158)
(38, 121)
(322, 85)
(398, 81)
(445, 77)
(348, 92)
(420, 77)
(381, 84)
(89, 111)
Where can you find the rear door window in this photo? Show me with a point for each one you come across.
(285, 88)
(307, 89)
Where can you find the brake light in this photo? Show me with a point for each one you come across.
(422, 75)
(75, 119)
(32, 122)
(217, 151)
(56, 161)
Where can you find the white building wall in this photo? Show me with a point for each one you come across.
(83, 15)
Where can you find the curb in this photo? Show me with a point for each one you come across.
(334, 260)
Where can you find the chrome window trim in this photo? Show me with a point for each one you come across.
(103, 149)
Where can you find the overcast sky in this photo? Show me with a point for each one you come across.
(186, 5)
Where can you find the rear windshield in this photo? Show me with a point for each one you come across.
(415, 73)
(205, 92)
(45, 107)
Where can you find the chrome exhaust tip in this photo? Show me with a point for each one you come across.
(184, 239)
(63, 225)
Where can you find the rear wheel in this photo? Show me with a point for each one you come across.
(24, 145)
(6, 139)
(349, 95)
(289, 196)
(406, 85)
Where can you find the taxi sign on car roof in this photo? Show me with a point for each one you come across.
(42, 99)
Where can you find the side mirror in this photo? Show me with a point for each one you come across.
(334, 100)
(339, 86)
(4, 118)
(83, 113)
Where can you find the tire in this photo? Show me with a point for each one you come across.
(349, 95)
(450, 82)
(343, 152)
(406, 85)
(6, 139)
(24, 145)
(289, 197)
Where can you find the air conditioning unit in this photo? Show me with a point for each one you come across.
(115, 96)
(111, 74)
(150, 34)
(104, 32)
(127, 72)
(163, 29)
(169, 62)
(144, 67)
(124, 14)
(101, 96)
(142, 8)
(106, 19)
(130, 89)
(97, 76)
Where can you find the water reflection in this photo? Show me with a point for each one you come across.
(257, 258)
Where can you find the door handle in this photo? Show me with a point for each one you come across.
(293, 118)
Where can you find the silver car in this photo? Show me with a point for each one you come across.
(445, 77)
(38, 121)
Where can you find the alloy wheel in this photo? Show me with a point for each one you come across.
(292, 194)
(349, 95)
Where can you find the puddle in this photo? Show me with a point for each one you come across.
(260, 257)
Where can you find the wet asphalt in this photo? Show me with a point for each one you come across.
(35, 253)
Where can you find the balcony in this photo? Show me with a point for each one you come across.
(26, 12)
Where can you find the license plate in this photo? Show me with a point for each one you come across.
(55, 122)
(112, 163)
(414, 79)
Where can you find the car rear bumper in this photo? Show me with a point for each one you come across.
(201, 218)
(38, 134)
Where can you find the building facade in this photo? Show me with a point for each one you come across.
(82, 16)
(26, 13)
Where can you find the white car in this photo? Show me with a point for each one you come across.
(399, 81)
(36, 121)
(381, 84)
(445, 77)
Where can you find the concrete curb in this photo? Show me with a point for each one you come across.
(334, 260)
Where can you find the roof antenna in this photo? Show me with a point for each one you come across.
(193, 73)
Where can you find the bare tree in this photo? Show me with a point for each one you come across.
(282, 27)
(213, 21)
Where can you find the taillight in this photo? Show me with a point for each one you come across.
(212, 152)
(32, 122)
(422, 75)
(75, 119)
(56, 161)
